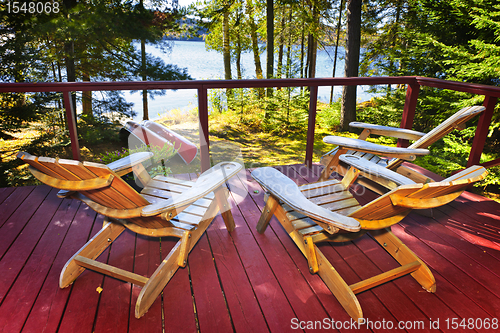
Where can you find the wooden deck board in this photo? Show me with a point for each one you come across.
(28, 281)
(266, 288)
(147, 259)
(458, 278)
(82, 305)
(12, 200)
(5, 192)
(50, 304)
(13, 226)
(241, 281)
(114, 303)
(207, 289)
(241, 301)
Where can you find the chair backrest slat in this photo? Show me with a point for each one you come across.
(447, 126)
(383, 206)
(118, 195)
(33, 161)
(51, 163)
(74, 171)
(441, 130)
(104, 196)
(125, 194)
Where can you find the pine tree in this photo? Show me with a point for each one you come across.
(85, 40)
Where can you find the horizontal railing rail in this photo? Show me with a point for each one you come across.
(413, 83)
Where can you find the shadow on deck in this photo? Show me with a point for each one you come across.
(242, 281)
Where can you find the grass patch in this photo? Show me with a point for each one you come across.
(40, 140)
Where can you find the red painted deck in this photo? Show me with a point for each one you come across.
(243, 281)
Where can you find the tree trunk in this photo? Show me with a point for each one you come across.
(59, 73)
(281, 47)
(145, 107)
(144, 77)
(87, 98)
(353, 43)
(394, 37)
(69, 49)
(302, 47)
(312, 46)
(270, 43)
(302, 53)
(238, 48)
(255, 45)
(312, 52)
(339, 24)
(226, 49)
(238, 60)
(289, 48)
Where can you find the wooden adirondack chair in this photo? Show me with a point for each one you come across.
(165, 207)
(372, 152)
(327, 212)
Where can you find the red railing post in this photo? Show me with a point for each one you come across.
(203, 128)
(70, 117)
(311, 124)
(482, 130)
(409, 109)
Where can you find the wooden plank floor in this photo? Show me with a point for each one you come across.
(243, 281)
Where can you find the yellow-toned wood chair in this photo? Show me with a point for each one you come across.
(165, 207)
(327, 212)
(372, 152)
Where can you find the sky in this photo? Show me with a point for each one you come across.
(184, 3)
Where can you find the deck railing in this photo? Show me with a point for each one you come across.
(413, 83)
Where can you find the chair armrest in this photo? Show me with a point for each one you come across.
(373, 148)
(283, 188)
(125, 164)
(374, 169)
(395, 132)
(206, 183)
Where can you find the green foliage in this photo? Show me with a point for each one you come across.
(451, 154)
(387, 111)
(217, 100)
(285, 111)
(18, 109)
(158, 160)
(433, 106)
(448, 39)
(85, 40)
(95, 130)
(328, 115)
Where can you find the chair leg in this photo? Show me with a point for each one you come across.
(91, 250)
(221, 197)
(169, 266)
(267, 214)
(339, 288)
(158, 281)
(399, 251)
(334, 162)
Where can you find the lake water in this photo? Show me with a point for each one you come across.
(203, 64)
